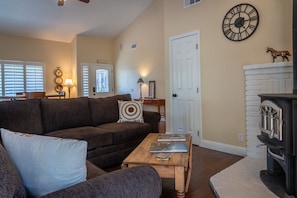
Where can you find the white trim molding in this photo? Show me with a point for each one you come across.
(227, 148)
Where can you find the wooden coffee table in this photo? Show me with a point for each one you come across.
(178, 167)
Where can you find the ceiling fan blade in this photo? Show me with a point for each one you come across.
(86, 1)
(60, 2)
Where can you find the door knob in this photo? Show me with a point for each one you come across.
(174, 95)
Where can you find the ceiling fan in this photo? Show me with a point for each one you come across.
(61, 2)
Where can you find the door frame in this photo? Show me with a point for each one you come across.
(92, 76)
(89, 67)
(171, 39)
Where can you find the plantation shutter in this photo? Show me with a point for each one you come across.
(34, 78)
(19, 76)
(85, 80)
(13, 78)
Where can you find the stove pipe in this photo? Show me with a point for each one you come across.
(294, 46)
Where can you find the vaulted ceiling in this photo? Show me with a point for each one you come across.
(44, 19)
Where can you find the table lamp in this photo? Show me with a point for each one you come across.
(140, 81)
(68, 83)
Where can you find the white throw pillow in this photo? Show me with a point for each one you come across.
(46, 164)
(130, 111)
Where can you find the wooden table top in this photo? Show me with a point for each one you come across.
(142, 155)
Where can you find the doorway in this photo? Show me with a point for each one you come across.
(185, 85)
(97, 80)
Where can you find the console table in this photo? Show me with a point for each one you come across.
(153, 102)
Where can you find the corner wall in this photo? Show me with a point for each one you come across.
(147, 60)
(222, 61)
(52, 53)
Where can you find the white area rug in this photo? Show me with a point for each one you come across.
(242, 179)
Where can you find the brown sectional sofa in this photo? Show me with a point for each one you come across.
(109, 142)
(90, 119)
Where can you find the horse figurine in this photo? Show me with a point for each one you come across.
(275, 54)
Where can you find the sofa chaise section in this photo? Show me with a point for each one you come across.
(141, 181)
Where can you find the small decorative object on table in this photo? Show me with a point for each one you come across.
(163, 156)
(152, 87)
(275, 54)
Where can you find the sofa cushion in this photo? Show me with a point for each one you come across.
(95, 137)
(46, 164)
(10, 181)
(127, 131)
(124, 97)
(22, 115)
(63, 114)
(105, 110)
(130, 111)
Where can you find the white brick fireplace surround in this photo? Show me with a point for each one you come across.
(263, 78)
(242, 178)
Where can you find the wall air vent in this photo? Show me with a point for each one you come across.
(188, 3)
(133, 46)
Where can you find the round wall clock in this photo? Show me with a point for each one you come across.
(240, 22)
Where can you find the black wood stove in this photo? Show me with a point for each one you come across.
(279, 132)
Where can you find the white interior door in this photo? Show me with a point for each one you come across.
(102, 82)
(185, 85)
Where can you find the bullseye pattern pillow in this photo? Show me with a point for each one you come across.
(130, 111)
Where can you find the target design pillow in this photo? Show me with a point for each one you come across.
(130, 111)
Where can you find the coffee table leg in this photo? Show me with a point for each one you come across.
(180, 181)
(124, 165)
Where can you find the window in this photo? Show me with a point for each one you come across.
(102, 80)
(188, 3)
(19, 76)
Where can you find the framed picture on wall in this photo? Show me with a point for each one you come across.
(152, 88)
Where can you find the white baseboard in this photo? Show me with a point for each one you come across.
(227, 148)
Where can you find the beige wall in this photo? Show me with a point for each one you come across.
(91, 50)
(147, 60)
(53, 54)
(222, 61)
(68, 56)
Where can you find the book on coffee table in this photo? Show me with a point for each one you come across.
(169, 147)
(172, 137)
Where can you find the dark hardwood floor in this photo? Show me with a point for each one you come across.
(206, 163)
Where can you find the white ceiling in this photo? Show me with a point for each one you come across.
(43, 19)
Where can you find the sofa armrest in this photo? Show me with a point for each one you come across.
(153, 118)
(141, 181)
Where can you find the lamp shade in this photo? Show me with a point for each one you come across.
(68, 82)
(140, 80)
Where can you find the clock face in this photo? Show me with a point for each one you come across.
(240, 22)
